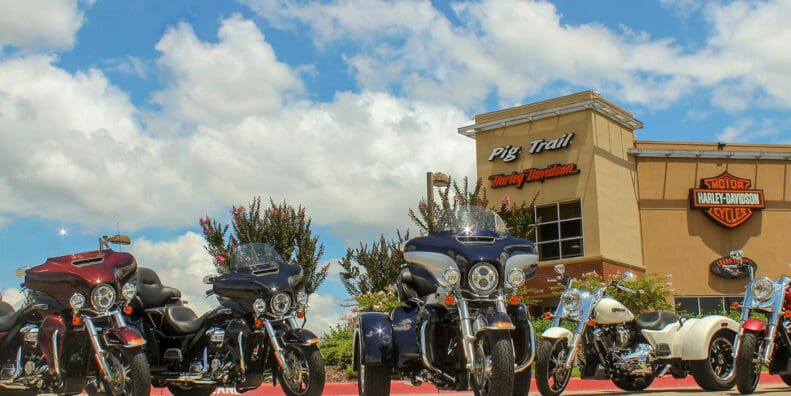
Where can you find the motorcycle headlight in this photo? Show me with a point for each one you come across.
(483, 278)
(77, 301)
(302, 297)
(259, 306)
(516, 278)
(281, 302)
(571, 300)
(128, 291)
(451, 276)
(102, 297)
(762, 289)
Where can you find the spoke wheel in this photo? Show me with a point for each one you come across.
(494, 364)
(130, 374)
(748, 364)
(307, 371)
(551, 375)
(718, 372)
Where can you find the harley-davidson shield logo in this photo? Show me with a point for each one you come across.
(726, 199)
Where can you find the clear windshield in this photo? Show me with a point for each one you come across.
(259, 255)
(469, 220)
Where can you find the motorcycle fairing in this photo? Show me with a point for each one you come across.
(127, 337)
(299, 337)
(374, 333)
(245, 285)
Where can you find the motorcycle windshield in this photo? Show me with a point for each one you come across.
(472, 220)
(256, 256)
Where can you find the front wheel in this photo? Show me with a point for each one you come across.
(371, 380)
(717, 373)
(307, 371)
(551, 374)
(522, 382)
(493, 374)
(748, 370)
(129, 371)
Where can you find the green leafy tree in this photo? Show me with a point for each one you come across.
(282, 226)
(652, 292)
(372, 268)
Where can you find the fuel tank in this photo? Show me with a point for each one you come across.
(610, 311)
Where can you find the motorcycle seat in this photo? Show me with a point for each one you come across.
(151, 290)
(414, 282)
(180, 320)
(656, 320)
(8, 317)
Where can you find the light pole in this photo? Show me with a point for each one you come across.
(434, 179)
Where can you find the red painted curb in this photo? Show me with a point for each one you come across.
(401, 388)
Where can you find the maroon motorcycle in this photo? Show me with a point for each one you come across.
(70, 335)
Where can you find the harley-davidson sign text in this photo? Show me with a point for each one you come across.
(518, 179)
(727, 199)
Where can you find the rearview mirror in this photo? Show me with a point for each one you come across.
(21, 271)
(560, 269)
(118, 239)
(208, 279)
(628, 277)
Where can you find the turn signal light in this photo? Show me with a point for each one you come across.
(76, 321)
(300, 314)
(128, 310)
(450, 300)
(502, 325)
(547, 315)
(259, 323)
(591, 322)
(514, 300)
(787, 314)
(735, 305)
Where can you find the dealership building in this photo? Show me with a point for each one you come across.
(609, 203)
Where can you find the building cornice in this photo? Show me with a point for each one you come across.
(745, 155)
(602, 107)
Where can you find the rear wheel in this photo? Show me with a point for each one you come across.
(717, 373)
(371, 380)
(494, 367)
(307, 375)
(786, 379)
(130, 374)
(748, 371)
(551, 375)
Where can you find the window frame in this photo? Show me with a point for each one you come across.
(558, 222)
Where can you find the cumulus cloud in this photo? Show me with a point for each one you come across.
(323, 313)
(515, 49)
(34, 25)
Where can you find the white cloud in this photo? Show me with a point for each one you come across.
(13, 296)
(39, 24)
(323, 313)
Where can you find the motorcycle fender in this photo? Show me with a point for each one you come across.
(754, 325)
(51, 333)
(127, 337)
(495, 321)
(299, 337)
(695, 341)
(373, 337)
(556, 333)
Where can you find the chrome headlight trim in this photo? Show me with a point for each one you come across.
(259, 306)
(451, 276)
(128, 291)
(483, 278)
(571, 300)
(281, 302)
(762, 289)
(77, 301)
(516, 278)
(102, 297)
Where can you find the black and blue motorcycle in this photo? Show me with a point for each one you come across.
(461, 325)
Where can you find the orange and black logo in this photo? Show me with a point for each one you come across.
(726, 199)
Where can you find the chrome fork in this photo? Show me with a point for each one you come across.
(281, 358)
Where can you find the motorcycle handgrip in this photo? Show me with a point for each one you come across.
(209, 292)
(626, 289)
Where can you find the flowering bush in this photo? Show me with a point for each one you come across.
(382, 301)
(370, 269)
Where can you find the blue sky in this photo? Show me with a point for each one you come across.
(145, 115)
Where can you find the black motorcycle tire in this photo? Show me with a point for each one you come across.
(497, 345)
(371, 380)
(786, 379)
(311, 361)
(522, 382)
(550, 351)
(709, 373)
(139, 375)
(197, 391)
(747, 374)
(632, 383)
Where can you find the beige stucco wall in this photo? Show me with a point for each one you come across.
(683, 241)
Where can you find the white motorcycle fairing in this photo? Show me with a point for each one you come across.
(689, 339)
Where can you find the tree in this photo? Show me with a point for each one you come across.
(518, 218)
(282, 226)
(367, 270)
